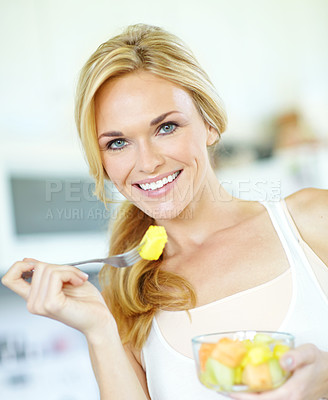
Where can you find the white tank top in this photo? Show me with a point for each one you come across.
(167, 354)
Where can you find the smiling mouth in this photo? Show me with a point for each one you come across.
(160, 183)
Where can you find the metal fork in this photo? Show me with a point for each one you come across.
(119, 261)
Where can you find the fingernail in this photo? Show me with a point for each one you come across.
(287, 363)
(85, 275)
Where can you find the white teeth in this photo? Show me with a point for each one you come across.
(160, 183)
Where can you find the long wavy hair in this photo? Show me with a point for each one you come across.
(135, 294)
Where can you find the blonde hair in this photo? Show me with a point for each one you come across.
(135, 294)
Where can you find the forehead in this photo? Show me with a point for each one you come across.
(143, 93)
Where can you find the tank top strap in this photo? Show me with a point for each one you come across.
(290, 238)
(290, 221)
(287, 235)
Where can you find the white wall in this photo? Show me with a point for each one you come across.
(263, 56)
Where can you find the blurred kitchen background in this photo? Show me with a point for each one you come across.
(269, 62)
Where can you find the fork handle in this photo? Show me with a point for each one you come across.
(28, 274)
(93, 260)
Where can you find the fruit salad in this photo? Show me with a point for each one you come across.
(249, 364)
(153, 242)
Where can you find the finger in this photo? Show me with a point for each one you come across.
(43, 274)
(242, 396)
(14, 281)
(38, 283)
(55, 297)
(32, 261)
(27, 259)
(245, 396)
(275, 394)
(298, 357)
(68, 276)
(282, 392)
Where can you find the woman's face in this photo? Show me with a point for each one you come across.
(153, 142)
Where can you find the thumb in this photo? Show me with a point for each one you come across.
(298, 357)
(30, 260)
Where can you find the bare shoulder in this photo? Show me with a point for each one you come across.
(309, 209)
(309, 205)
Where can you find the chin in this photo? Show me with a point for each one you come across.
(163, 213)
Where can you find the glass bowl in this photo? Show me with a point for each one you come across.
(241, 361)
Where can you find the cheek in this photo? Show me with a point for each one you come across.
(113, 170)
(118, 168)
(196, 148)
(186, 147)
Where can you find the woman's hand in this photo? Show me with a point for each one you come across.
(62, 293)
(309, 381)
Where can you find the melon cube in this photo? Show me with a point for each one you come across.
(280, 349)
(229, 352)
(276, 372)
(263, 338)
(222, 375)
(258, 354)
(204, 353)
(257, 377)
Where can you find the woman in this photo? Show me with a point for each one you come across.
(146, 114)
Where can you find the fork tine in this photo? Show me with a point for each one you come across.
(131, 253)
(134, 259)
(131, 261)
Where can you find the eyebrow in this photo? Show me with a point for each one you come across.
(110, 134)
(155, 121)
(161, 117)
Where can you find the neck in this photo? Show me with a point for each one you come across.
(211, 210)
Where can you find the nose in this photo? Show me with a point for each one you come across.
(149, 157)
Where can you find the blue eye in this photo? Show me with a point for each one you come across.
(116, 144)
(168, 127)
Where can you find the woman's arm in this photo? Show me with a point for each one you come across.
(309, 365)
(118, 373)
(64, 294)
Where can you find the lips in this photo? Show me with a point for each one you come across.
(151, 185)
